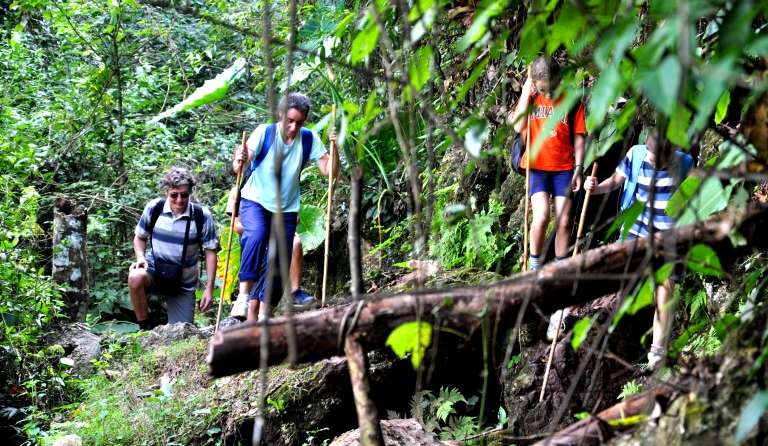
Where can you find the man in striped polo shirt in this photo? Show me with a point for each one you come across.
(178, 230)
(639, 170)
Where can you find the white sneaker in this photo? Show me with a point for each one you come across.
(655, 356)
(553, 321)
(240, 307)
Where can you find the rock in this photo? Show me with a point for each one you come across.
(229, 321)
(80, 347)
(68, 440)
(396, 432)
(167, 334)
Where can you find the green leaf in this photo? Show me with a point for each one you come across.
(478, 71)
(480, 23)
(751, 415)
(365, 41)
(662, 83)
(580, 332)
(645, 293)
(570, 23)
(212, 90)
(531, 40)
(758, 47)
(311, 227)
(711, 198)
(625, 220)
(475, 137)
(682, 196)
(722, 106)
(677, 132)
(703, 259)
(608, 87)
(411, 338)
(419, 68)
(234, 264)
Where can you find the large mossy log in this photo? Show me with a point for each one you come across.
(568, 282)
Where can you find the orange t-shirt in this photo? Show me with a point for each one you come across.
(556, 151)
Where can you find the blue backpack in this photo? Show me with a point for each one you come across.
(637, 154)
(269, 139)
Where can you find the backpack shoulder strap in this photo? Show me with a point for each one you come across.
(306, 146)
(269, 139)
(157, 209)
(637, 155)
(199, 216)
(686, 163)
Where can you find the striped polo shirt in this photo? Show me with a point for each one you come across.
(168, 239)
(665, 186)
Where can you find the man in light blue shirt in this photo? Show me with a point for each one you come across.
(296, 147)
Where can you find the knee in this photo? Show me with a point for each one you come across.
(138, 278)
(540, 220)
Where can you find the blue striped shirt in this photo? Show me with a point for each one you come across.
(168, 239)
(665, 186)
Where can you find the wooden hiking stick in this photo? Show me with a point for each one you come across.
(229, 238)
(527, 188)
(331, 149)
(579, 233)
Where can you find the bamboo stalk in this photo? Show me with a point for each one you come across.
(579, 233)
(229, 238)
(329, 206)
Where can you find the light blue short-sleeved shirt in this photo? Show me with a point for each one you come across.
(261, 186)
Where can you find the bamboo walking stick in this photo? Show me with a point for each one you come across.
(332, 149)
(527, 190)
(229, 238)
(579, 233)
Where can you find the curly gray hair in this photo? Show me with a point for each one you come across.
(176, 177)
(298, 101)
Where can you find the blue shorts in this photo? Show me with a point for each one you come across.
(254, 246)
(556, 183)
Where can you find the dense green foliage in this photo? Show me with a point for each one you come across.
(422, 91)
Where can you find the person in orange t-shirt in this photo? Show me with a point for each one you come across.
(557, 167)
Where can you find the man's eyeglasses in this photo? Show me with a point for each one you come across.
(175, 195)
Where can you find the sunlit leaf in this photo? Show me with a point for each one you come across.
(212, 90)
(703, 259)
(710, 198)
(411, 338)
(722, 107)
(311, 227)
(475, 137)
(365, 41)
(580, 332)
(679, 200)
(626, 219)
(677, 132)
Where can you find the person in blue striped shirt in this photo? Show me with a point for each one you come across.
(644, 175)
(178, 231)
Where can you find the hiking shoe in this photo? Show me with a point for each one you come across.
(553, 320)
(240, 307)
(302, 299)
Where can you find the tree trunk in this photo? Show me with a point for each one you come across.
(70, 266)
(596, 273)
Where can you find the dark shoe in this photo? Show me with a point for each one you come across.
(302, 299)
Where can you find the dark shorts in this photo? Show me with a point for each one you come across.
(180, 305)
(556, 184)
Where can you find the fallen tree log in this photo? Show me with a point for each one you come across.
(599, 428)
(568, 282)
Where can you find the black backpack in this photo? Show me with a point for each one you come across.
(197, 214)
(518, 145)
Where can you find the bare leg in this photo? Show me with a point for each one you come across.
(297, 263)
(563, 218)
(138, 281)
(662, 317)
(253, 309)
(540, 210)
